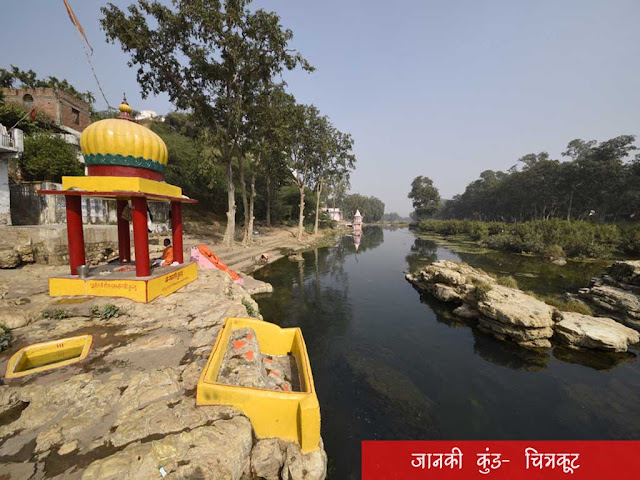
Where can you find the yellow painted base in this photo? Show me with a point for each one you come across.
(40, 357)
(293, 416)
(121, 184)
(142, 290)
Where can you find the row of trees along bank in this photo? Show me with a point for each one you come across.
(585, 206)
(596, 180)
(554, 238)
(223, 63)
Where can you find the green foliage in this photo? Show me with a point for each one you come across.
(107, 311)
(371, 208)
(15, 77)
(597, 181)
(326, 222)
(250, 310)
(425, 197)
(6, 336)
(574, 239)
(553, 252)
(203, 181)
(481, 290)
(55, 313)
(213, 58)
(10, 114)
(508, 281)
(564, 305)
(48, 157)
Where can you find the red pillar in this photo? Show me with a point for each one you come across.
(124, 237)
(176, 229)
(141, 236)
(75, 234)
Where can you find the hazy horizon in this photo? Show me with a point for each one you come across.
(445, 90)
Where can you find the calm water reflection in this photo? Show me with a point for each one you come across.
(389, 363)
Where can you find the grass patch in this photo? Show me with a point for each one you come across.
(562, 304)
(107, 311)
(55, 313)
(481, 291)
(251, 311)
(569, 305)
(508, 281)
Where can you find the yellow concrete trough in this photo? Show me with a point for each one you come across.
(40, 357)
(293, 416)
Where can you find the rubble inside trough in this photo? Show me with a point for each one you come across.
(245, 365)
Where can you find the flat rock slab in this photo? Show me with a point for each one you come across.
(511, 306)
(253, 286)
(601, 333)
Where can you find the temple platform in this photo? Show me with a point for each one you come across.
(107, 281)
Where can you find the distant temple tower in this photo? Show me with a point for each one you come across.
(357, 223)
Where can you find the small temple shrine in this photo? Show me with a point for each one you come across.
(126, 163)
(357, 223)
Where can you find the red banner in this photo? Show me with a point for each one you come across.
(449, 460)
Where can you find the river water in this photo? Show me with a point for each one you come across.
(391, 364)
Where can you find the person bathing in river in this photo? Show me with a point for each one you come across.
(167, 255)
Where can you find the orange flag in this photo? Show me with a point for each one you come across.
(76, 23)
(32, 113)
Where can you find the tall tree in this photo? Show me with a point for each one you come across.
(333, 159)
(305, 124)
(425, 197)
(210, 56)
(267, 137)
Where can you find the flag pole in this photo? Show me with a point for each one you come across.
(25, 116)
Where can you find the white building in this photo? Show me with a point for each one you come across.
(334, 214)
(11, 145)
(149, 115)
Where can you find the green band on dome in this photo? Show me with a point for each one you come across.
(125, 161)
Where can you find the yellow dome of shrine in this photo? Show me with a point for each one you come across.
(121, 147)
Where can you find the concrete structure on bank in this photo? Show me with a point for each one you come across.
(29, 208)
(11, 146)
(126, 163)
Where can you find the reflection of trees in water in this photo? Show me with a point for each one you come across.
(423, 252)
(314, 295)
(372, 237)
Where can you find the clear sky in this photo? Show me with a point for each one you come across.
(445, 89)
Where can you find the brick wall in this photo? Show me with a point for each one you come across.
(74, 112)
(64, 109)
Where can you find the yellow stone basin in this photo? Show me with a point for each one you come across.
(293, 416)
(40, 357)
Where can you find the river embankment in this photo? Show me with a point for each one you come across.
(128, 410)
(553, 239)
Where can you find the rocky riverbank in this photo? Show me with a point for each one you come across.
(128, 411)
(617, 293)
(509, 314)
